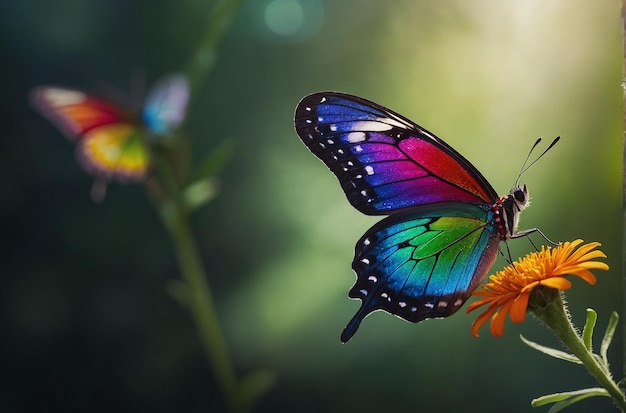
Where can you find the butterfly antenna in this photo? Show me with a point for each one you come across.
(522, 169)
(526, 167)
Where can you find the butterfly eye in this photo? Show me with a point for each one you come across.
(520, 195)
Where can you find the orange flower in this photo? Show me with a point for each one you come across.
(508, 291)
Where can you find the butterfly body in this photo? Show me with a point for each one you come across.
(445, 220)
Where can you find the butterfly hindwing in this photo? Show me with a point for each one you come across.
(423, 263)
(384, 161)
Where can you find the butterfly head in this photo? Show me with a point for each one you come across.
(520, 198)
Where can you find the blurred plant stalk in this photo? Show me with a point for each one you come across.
(176, 197)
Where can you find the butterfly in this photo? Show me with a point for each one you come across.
(445, 221)
(111, 138)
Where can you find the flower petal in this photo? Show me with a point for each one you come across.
(482, 319)
(518, 309)
(587, 276)
(559, 283)
(497, 321)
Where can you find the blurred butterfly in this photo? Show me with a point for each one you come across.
(445, 220)
(111, 138)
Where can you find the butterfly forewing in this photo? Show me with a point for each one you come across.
(166, 105)
(383, 161)
(75, 112)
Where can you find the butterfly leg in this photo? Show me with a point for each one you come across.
(527, 232)
(507, 257)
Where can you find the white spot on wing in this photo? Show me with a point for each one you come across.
(369, 170)
(373, 126)
(62, 97)
(356, 137)
(458, 302)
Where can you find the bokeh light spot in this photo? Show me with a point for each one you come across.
(284, 17)
(292, 20)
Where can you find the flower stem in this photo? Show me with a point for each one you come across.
(555, 316)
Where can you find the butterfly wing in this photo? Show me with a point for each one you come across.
(166, 105)
(384, 161)
(109, 139)
(423, 263)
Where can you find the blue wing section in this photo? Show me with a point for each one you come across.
(423, 263)
(166, 105)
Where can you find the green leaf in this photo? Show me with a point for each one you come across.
(565, 399)
(552, 351)
(592, 316)
(215, 160)
(199, 193)
(608, 336)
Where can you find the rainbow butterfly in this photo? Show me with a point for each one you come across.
(111, 138)
(445, 220)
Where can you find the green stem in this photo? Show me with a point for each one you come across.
(555, 316)
(166, 194)
(202, 307)
(205, 55)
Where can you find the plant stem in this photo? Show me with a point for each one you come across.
(201, 306)
(166, 192)
(554, 315)
(623, 15)
(205, 55)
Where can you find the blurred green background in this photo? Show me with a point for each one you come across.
(86, 321)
